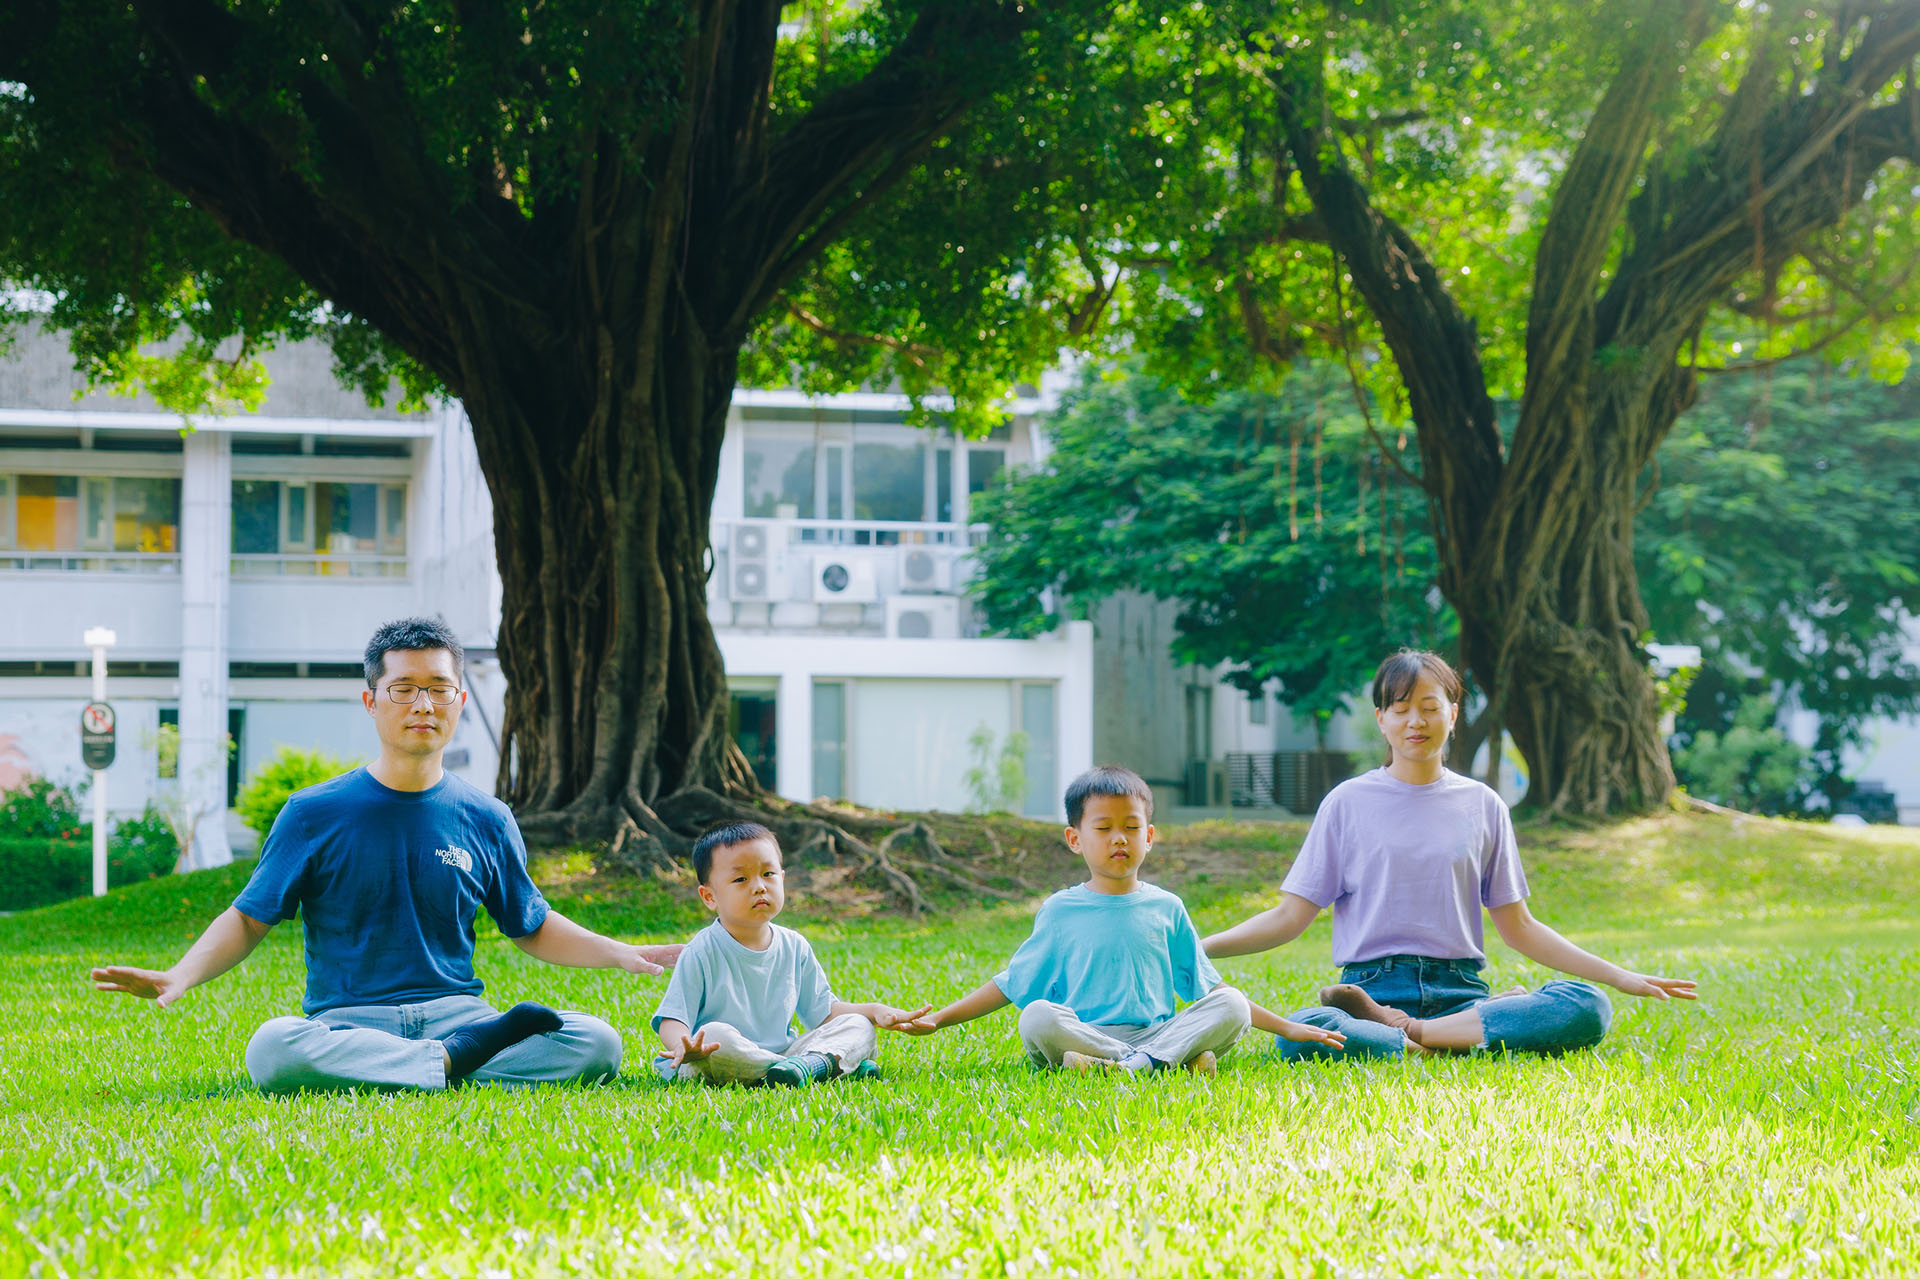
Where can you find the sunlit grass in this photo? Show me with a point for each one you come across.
(1770, 1129)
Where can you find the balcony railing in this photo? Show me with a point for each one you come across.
(163, 562)
(337, 565)
(873, 532)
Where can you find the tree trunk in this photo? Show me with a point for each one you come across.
(1536, 539)
(616, 693)
(587, 301)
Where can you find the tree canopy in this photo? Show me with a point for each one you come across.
(1781, 535)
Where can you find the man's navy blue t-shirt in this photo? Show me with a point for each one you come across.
(389, 882)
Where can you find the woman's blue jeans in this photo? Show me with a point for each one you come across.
(1558, 1017)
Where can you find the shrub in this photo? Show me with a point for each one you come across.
(290, 769)
(1752, 766)
(42, 809)
(40, 872)
(144, 845)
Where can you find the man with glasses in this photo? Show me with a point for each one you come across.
(389, 864)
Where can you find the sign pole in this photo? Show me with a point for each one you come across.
(100, 639)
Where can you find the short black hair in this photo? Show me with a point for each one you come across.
(412, 634)
(1397, 675)
(726, 837)
(1108, 779)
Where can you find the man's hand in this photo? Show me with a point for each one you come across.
(887, 1017)
(649, 961)
(694, 1047)
(142, 983)
(1648, 987)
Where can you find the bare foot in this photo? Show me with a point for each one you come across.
(1355, 1002)
(1082, 1062)
(1205, 1064)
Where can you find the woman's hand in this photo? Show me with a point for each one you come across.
(1648, 987)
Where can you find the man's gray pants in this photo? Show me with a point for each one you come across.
(398, 1046)
(1209, 1024)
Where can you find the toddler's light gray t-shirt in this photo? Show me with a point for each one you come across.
(757, 992)
(1407, 868)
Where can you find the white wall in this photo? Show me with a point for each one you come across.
(794, 662)
(908, 744)
(41, 737)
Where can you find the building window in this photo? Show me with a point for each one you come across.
(829, 739)
(1035, 707)
(890, 481)
(1257, 707)
(884, 473)
(327, 528)
(750, 716)
(124, 523)
(778, 474)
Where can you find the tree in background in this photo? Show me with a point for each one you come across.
(1294, 553)
(1784, 539)
(570, 216)
(1563, 204)
(1782, 536)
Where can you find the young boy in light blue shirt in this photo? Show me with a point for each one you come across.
(1097, 980)
(729, 1012)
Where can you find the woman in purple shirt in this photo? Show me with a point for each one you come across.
(1408, 855)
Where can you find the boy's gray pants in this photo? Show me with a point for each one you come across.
(849, 1039)
(398, 1046)
(1208, 1024)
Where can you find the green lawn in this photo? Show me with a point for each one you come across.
(1771, 1129)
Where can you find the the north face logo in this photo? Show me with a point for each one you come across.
(459, 857)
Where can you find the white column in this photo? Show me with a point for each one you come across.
(1075, 745)
(206, 544)
(793, 736)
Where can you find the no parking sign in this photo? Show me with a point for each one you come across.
(96, 735)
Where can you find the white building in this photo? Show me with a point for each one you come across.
(244, 564)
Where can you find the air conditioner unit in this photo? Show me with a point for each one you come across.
(926, 570)
(757, 563)
(923, 617)
(844, 579)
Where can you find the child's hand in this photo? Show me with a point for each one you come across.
(1657, 987)
(887, 1017)
(1301, 1033)
(694, 1047)
(921, 1023)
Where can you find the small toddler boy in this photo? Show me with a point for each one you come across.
(728, 1013)
(1097, 980)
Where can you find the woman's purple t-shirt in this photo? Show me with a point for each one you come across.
(1407, 868)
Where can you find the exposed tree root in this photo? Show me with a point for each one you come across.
(890, 852)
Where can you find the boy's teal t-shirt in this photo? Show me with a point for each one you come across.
(757, 992)
(1116, 961)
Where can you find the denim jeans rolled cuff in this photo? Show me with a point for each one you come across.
(1364, 1038)
(1561, 1016)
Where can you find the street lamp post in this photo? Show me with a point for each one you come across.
(100, 639)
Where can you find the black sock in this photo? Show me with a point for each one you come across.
(473, 1046)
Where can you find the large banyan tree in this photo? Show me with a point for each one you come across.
(586, 219)
(572, 215)
(1552, 220)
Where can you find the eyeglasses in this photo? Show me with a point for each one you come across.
(438, 694)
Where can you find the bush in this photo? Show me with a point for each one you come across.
(145, 845)
(40, 810)
(1752, 766)
(290, 769)
(39, 872)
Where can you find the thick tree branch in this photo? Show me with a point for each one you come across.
(867, 136)
(1433, 342)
